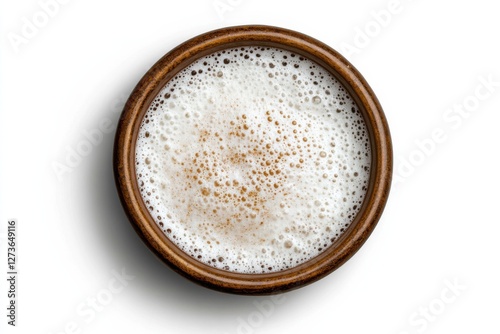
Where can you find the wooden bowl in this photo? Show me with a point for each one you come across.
(253, 284)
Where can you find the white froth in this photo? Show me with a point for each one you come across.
(253, 160)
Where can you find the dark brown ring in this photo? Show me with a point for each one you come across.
(253, 284)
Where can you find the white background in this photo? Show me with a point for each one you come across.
(441, 223)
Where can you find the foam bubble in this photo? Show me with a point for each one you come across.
(253, 160)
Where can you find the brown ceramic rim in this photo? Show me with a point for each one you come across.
(253, 284)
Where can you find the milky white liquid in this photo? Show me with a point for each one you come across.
(253, 160)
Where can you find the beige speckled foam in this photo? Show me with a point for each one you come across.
(253, 160)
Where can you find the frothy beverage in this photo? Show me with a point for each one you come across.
(253, 159)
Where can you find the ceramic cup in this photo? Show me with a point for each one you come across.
(268, 283)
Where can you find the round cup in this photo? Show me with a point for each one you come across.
(253, 284)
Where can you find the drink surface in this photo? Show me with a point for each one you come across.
(253, 159)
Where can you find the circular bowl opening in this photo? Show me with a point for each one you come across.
(233, 282)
